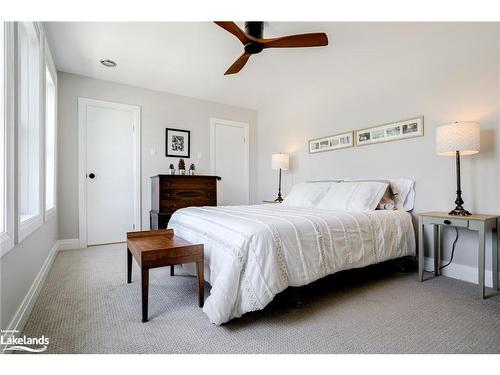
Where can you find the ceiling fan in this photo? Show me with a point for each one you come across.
(252, 39)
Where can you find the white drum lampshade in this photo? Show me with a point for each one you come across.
(459, 136)
(280, 161)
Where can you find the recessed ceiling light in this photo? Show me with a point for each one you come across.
(108, 63)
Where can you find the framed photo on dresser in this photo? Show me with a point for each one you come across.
(177, 143)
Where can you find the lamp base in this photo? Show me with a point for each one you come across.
(279, 199)
(459, 211)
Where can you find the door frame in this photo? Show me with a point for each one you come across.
(82, 161)
(238, 124)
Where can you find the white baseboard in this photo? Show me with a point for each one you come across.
(461, 272)
(23, 312)
(69, 244)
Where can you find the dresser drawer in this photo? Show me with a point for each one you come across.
(188, 183)
(187, 195)
(446, 221)
(169, 206)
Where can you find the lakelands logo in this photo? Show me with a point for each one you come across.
(27, 344)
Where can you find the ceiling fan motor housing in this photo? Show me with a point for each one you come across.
(255, 29)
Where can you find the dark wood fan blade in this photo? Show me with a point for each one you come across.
(238, 64)
(233, 29)
(301, 40)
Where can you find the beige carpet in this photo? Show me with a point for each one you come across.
(86, 307)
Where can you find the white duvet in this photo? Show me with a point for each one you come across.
(254, 252)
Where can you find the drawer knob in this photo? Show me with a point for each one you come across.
(447, 222)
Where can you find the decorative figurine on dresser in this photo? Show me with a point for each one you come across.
(171, 192)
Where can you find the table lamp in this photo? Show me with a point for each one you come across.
(457, 139)
(280, 162)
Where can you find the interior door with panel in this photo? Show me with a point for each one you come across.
(111, 170)
(229, 157)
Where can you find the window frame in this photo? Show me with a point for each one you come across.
(28, 226)
(50, 67)
(7, 239)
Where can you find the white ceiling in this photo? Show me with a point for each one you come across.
(186, 58)
(190, 58)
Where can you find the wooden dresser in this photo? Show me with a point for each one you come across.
(171, 192)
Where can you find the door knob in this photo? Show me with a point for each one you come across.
(91, 175)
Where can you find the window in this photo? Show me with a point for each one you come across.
(29, 132)
(50, 137)
(3, 177)
(6, 136)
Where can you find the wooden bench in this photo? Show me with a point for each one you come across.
(161, 248)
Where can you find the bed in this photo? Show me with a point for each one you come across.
(252, 253)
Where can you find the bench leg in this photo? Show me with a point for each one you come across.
(129, 266)
(201, 282)
(171, 270)
(145, 290)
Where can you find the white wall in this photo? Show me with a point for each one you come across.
(380, 73)
(159, 111)
(22, 267)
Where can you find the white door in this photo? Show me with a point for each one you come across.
(110, 183)
(229, 160)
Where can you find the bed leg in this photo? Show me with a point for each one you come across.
(295, 299)
(406, 264)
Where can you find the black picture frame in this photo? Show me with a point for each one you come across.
(169, 152)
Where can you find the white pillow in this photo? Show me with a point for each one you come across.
(306, 194)
(387, 202)
(404, 193)
(353, 196)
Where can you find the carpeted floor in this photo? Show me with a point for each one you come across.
(86, 307)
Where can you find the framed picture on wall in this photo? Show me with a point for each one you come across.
(332, 142)
(177, 143)
(393, 131)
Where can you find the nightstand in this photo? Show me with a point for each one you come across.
(480, 223)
